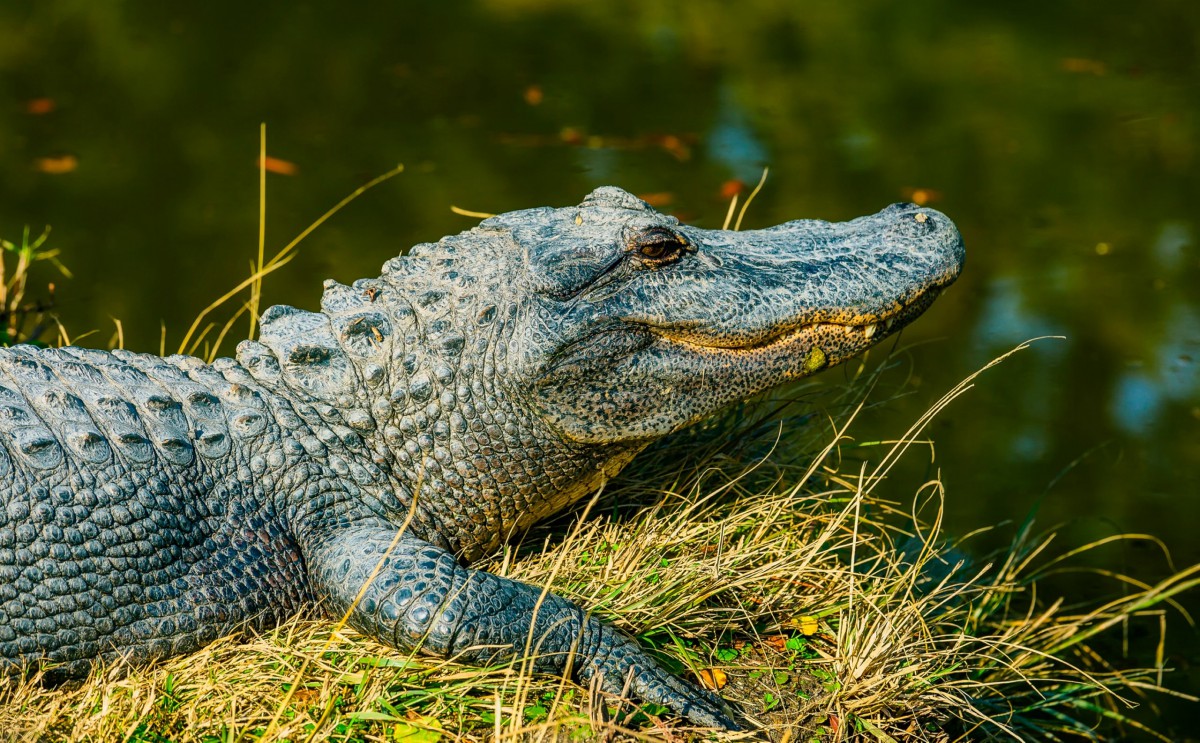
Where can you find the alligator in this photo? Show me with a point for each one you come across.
(357, 459)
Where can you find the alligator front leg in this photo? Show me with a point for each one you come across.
(421, 598)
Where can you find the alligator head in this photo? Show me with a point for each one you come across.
(647, 325)
(567, 339)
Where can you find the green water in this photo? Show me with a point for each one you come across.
(1061, 137)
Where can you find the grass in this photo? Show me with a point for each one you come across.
(765, 554)
(22, 321)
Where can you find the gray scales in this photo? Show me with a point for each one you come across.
(150, 505)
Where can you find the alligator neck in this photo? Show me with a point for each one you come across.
(447, 431)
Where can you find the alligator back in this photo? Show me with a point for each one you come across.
(130, 517)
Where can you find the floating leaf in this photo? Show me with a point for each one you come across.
(40, 106)
(658, 198)
(922, 196)
(57, 164)
(281, 167)
(1086, 66)
(732, 188)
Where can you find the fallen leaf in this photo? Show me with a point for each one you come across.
(413, 734)
(776, 642)
(306, 696)
(808, 625)
(533, 95)
(712, 678)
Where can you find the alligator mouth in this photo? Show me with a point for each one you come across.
(859, 332)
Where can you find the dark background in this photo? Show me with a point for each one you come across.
(1061, 137)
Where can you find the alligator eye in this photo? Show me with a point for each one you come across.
(660, 246)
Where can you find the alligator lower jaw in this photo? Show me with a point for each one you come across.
(837, 340)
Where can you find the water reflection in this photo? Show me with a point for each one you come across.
(1006, 318)
(733, 142)
(1168, 377)
(1136, 403)
(1171, 246)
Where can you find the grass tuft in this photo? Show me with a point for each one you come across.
(22, 321)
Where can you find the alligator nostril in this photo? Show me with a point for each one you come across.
(902, 206)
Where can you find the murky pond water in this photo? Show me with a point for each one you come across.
(1061, 138)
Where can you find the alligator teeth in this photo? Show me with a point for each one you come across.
(888, 323)
(868, 331)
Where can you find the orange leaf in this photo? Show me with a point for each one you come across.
(675, 146)
(533, 95)
(56, 165)
(660, 198)
(922, 196)
(1081, 65)
(306, 696)
(731, 188)
(777, 642)
(282, 167)
(712, 678)
(40, 106)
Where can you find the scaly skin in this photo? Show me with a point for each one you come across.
(151, 505)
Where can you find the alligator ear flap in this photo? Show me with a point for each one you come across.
(615, 198)
(310, 358)
(563, 268)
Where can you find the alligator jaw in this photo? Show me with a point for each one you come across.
(846, 339)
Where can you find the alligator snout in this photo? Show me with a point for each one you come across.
(926, 236)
